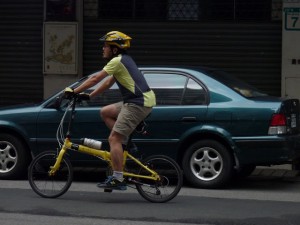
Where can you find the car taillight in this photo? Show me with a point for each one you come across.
(277, 124)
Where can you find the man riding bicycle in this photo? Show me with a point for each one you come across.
(122, 117)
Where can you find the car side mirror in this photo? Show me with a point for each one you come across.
(56, 103)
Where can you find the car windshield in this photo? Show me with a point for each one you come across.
(237, 85)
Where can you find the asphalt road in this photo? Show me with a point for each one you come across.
(255, 201)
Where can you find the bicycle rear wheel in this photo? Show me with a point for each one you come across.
(169, 184)
(45, 185)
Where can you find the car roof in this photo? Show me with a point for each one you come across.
(180, 68)
(229, 80)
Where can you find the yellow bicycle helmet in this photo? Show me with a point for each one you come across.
(117, 38)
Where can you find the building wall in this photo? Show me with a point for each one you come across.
(251, 51)
(21, 78)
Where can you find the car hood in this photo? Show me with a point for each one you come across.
(27, 105)
(22, 108)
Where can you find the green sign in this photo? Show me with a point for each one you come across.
(292, 18)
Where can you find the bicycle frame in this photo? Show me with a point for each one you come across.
(102, 154)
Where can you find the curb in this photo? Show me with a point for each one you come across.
(275, 173)
(282, 171)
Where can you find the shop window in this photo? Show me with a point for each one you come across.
(235, 10)
(60, 10)
(133, 9)
(184, 10)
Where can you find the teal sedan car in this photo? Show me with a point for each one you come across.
(215, 126)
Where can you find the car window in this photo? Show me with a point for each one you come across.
(168, 88)
(109, 96)
(237, 85)
(175, 89)
(194, 94)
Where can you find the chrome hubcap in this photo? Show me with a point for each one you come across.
(8, 157)
(206, 163)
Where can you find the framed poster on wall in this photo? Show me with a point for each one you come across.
(60, 48)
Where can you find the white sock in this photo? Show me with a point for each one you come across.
(118, 175)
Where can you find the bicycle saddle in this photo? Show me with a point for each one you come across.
(141, 128)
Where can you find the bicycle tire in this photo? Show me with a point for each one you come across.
(167, 187)
(45, 185)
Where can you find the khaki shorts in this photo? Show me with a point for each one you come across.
(129, 117)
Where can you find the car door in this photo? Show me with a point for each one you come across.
(181, 106)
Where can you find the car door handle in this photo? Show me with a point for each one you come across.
(188, 119)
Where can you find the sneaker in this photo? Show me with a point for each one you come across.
(113, 183)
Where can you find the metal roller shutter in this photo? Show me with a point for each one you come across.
(21, 24)
(250, 51)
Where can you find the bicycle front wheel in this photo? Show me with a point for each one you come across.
(44, 184)
(169, 184)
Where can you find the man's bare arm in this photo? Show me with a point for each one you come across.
(106, 85)
(91, 81)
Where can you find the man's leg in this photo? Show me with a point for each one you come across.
(110, 113)
(125, 121)
(116, 181)
(116, 151)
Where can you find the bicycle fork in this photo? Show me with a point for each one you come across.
(59, 158)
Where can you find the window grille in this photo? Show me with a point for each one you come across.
(186, 10)
(183, 9)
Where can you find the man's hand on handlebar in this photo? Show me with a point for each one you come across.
(84, 96)
(69, 93)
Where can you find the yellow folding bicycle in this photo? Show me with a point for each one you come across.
(50, 174)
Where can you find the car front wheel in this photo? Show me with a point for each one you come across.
(14, 158)
(208, 164)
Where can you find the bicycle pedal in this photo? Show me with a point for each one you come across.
(108, 190)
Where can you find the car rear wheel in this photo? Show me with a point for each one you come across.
(14, 159)
(208, 164)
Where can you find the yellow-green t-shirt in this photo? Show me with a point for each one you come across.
(131, 82)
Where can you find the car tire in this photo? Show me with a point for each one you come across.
(14, 159)
(208, 164)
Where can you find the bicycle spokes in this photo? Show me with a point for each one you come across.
(165, 188)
